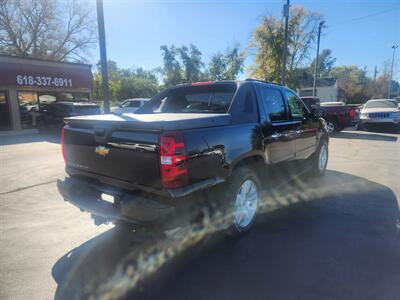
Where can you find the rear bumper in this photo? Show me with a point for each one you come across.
(175, 193)
(354, 122)
(127, 207)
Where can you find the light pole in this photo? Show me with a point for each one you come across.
(286, 15)
(391, 71)
(103, 55)
(316, 60)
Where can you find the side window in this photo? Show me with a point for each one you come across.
(135, 103)
(125, 104)
(274, 104)
(244, 107)
(296, 107)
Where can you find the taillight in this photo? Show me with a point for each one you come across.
(63, 145)
(173, 160)
(352, 113)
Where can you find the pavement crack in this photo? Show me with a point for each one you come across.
(28, 187)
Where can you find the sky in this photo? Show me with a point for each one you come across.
(358, 32)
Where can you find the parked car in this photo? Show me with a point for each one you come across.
(53, 114)
(192, 140)
(378, 112)
(129, 105)
(338, 115)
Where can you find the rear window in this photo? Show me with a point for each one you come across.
(87, 110)
(214, 98)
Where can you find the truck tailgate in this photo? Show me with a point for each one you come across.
(121, 154)
(125, 147)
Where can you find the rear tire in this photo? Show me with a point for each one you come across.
(242, 196)
(331, 126)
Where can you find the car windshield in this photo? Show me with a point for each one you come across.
(215, 98)
(380, 104)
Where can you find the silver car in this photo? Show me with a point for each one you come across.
(379, 111)
(129, 105)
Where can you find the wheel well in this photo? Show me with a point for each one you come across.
(324, 137)
(254, 162)
(334, 119)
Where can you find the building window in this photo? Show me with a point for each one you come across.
(28, 108)
(5, 118)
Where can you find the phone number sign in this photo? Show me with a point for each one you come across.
(43, 81)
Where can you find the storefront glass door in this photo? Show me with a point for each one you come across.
(28, 107)
(5, 117)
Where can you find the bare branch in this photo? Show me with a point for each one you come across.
(42, 29)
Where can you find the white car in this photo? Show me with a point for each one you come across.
(379, 111)
(129, 105)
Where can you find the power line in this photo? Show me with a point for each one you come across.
(366, 16)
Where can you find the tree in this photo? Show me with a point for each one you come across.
(172, 67)
(191, 62)
(126, 83)
(182, 64)
(325, 63)
(228, 65)
(352, 83)
(46, 29)
(267, 40)
(268, 43)
(217, 67)
(378, 88)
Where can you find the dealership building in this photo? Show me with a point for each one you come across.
(27, 85)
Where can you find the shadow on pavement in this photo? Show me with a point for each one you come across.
(357, 135)
(29, 138)
(334, 237)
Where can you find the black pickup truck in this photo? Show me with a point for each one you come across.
(187, 140)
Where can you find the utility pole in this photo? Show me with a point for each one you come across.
(316, 60)
(375, 73)
(394, 47)
(286, 8)
(103, 55)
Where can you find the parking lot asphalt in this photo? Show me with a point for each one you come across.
(333, 238)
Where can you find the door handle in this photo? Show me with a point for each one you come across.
(276, 135)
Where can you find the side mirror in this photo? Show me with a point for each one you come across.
(318, 112)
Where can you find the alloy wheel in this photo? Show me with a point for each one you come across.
(245, 204)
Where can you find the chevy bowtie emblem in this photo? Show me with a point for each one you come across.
(101, 150)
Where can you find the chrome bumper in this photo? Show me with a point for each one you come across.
(379, 120)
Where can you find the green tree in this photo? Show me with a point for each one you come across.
(60, 30)
(325, 63)
(191, 62)
(226, 66)
(183, 64)
(217, 67)
(352, 83)
(126, 83)
(268, 43)
(172, 69)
